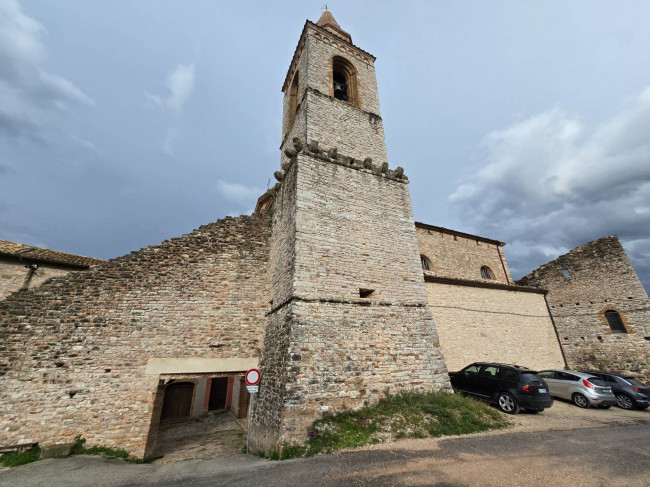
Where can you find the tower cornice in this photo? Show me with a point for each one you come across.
(360, 53)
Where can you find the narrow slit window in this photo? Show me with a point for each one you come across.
(566, 273)
(615, 322)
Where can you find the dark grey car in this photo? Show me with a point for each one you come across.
(629, 392)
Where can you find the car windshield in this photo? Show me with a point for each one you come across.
(597, 382)
(633, 382)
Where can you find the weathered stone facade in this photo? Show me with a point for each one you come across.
(460, 255)
(86, 354)
(15, 275)
(480, 318)
(24, 267)
(584, 284)
(349, 317)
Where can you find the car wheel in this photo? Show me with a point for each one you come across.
(507, 403)
(624, 401)
(604, 406)
(580, 400)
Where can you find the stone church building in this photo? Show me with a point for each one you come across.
(330, 287)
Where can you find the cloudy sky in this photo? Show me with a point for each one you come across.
(124, 123)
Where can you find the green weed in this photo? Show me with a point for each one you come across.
(404, 415)
(103, 451)
(16, 458)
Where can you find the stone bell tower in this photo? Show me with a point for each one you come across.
(349, 316)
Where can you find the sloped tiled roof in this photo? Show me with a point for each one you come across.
(27, 252)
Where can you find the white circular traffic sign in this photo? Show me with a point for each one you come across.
(252, 377)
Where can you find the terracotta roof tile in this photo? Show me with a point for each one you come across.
(27, 252)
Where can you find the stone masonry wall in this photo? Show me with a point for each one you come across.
(356, 131)
(75, 350)
(336, 123)
(301, 69)
(326, 347)
(322, 48)
(347, 355)
(490, 324)
(461, 257)
(600, 278)
(13, 274)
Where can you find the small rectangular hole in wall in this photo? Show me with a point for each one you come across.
(566, 273)
(365, 293)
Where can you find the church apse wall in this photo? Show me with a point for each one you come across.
(600, 307)
(83, 354)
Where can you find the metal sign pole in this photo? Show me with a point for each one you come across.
(250, 412)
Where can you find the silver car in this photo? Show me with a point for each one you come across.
(583, 389)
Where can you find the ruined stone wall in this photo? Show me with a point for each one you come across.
(600, 278)
(462, 257)
(13, 273)
(492, 324)
(77, 351)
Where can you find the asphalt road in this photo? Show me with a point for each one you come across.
(604, 456)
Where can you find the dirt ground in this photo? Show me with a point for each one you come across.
(563, 415)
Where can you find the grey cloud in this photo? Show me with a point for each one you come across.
(28, 94)
(239, 193)
(180, 83)
(550, 184)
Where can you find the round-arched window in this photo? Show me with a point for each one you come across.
(486, 272)
(426, 263)
(344, 80)
(615, 321)
(293, 100)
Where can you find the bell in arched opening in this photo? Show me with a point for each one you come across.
(344, 80)
(340, 86)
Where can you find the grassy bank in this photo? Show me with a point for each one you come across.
(406, 415)
(16, 458)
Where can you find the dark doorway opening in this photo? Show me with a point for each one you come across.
(177, 403)
(218, 393)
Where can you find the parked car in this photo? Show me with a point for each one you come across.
(510, 387)
(583, 389)
(629, 392)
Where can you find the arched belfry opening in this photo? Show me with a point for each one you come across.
(293, 99)
(344, 81)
